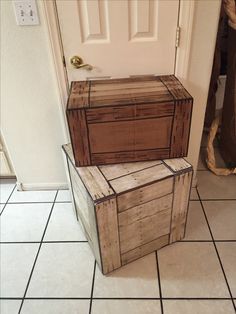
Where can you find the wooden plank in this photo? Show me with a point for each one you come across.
(144, 194)
(181, 129)
(138, 98)
(118, 170)
(125, 89)
(118, 157)
(177, 164)
(118, 113)
(175, 87)
(82, 198)
(79, 95)
(145, 227)
(68, 176)
(95, 183)
(182, 187)
(142, 177)
(130, 135)
(85, 212)
(69, 152)
(92, 178)
(79, 136)
(144, 249)
(112, 84)
(108, 235)
(128, 90)
(127, 80)
(145, 210)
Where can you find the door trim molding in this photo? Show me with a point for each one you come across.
(54, 34)
(186, 17)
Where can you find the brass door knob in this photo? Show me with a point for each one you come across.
(78, 63)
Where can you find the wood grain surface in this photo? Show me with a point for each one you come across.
(128, 91)
(182, 187)
(142, 224)
(177, 164)
(108, 235)
(79, 95)
(139, 178)
(175, 87)
(138, 155)
(132, 209)
(79, 136)
(181, 128)
(130, 119)
(120, 113)
(144, 249)
(92, 178)
(115, 171)
(130, 135)
(144, 194)
(85, 208)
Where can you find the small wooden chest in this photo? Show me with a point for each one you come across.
(132, 209)
(130, 119)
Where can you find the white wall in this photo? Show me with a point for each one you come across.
(196, 78)
(30, 119)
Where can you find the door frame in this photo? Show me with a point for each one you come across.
(186, 15)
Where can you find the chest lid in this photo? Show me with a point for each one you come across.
(104, 182)
(126, 91)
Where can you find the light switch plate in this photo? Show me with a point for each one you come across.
(26, 12)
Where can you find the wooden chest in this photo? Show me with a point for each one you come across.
(132, 209)
(131, 119)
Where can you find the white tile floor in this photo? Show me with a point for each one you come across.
(47, 266)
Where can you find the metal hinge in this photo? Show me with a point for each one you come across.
(177, 38)
(64, 61)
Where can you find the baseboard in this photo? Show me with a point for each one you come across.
(41, 186)
(58, 186)
(8, 177)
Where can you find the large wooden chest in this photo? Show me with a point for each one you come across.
(132, 209)
(130, 119)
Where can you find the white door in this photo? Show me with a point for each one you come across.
(119, 38)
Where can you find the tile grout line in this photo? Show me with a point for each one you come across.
(159, 283)
(202, 170)
(207, 241)
(217, 253)
(35, 260)
(91, 296)
(37, 242)
(114, 298)
(43, 202)
(8, 200)
(214, 199)
(161, 298)
(85, 241)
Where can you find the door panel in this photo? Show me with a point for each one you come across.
(119, 38)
